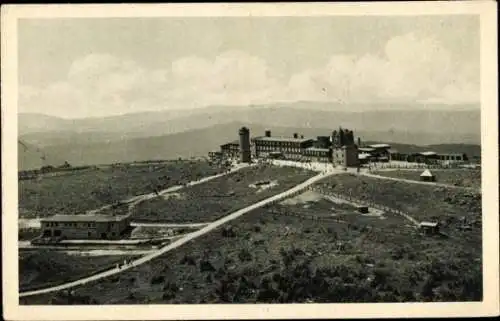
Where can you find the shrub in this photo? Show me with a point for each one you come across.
(228, 231)
(244, 255)
(188, 259)
(206, 266)
(157, 279)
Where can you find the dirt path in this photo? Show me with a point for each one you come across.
(133, 201)
(291, 192)
(471, 189)
(167, 225)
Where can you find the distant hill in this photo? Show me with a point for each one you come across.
(185, 133)
(446, 125)
(32, 157)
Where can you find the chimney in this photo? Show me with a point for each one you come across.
(295, 135)
(268, 133)
(359, 141)
(301, 136)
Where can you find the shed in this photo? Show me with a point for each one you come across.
(429, 227)
(362, 209)
(427, 176)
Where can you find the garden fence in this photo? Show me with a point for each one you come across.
(369, 203)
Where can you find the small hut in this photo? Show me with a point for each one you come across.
(427, 176)
(429, 227)
(362, 209)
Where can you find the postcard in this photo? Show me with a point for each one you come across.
(250, 161)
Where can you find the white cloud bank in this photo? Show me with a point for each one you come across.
(411, 69)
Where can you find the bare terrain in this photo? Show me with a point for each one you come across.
(314, 249)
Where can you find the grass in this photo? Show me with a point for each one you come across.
(422, 202)
(270, 256)
(142, 232)
(44, 268)
(456, 177)
(27, 234)
(87, 190)
(211, 200)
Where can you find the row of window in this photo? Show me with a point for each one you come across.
(284, 149)
(278, 144)
(72, 224)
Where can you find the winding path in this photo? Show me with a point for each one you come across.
(471, 189)
(168, 225)
(213, 225)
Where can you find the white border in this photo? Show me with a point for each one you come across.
(489, 122)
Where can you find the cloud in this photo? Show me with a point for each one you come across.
(409, 68)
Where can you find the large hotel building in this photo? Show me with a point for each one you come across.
(338, 148)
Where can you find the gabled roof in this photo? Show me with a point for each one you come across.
(427, 153)
(380, 146)
(427, 173)
(282, 139)
(429, 224)
(83, 218)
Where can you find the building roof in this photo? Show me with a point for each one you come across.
(380, 146)
(427, 153)
(83, 218)
(426, 173)
(429, 224)
(452, 154)
(282, 139)
(366, 149)
(317, 149)
(234, 142)
(393, 151)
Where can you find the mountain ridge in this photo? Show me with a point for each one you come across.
(197, 143)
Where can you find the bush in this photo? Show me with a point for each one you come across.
(244, 255)
(170, 286)
(206, 266)
(157, 279)
(228, 231)
(188, 259)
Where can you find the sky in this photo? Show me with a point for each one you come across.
(91, 67)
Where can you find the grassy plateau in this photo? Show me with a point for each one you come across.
(314, 250)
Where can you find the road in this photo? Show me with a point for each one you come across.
(471, 189)
(180, 242)
(168, 225)
(133, 201)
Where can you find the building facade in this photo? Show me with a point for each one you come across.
(289, 147)
(316, 154)
(230, 150)
(85, 226)
(344, 149)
